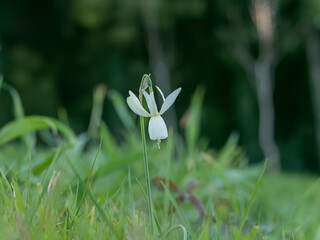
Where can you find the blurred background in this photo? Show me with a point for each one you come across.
(257, 61)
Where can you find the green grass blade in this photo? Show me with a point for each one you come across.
(121, 163)
(218, 229)
(90, 194)
(253, 233)
(179, 211)
(18, 197)
(97, 109)
(20, 127)
(18, 110)
(121, 109)
(17, 103)
(44, 189)
(194, 120)
(1, 80)
(221, 172)
(178, 226)
(36, 170)
(5, 181)
(108, 142)
(130, 192)
(228, 152)
(88, 179)
(205, 233)
(254, 193)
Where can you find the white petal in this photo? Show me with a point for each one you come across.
(151, 103)
(135, 105)
(161, 93)
(157, 128)
(134, 98)
(170, 100)
(136, 109)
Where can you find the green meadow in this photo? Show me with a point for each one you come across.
(59, 185)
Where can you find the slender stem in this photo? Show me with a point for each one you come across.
(185, 233)
(131, 192)
(146, 171)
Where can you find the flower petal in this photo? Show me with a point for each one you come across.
(134, 98)
(136, 108)
(151, 103)
(169, 100)
(161, 93)
(157, 128)
(135, 105)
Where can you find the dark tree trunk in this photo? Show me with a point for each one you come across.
(264, 78)
(313, 57)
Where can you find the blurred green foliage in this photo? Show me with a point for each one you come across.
(55, 52)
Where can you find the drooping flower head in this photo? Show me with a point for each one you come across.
(157, 127)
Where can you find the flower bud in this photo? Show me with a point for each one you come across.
(149, 80)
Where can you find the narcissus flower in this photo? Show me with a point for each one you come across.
(157, 127)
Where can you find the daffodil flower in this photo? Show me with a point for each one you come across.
(157, 127)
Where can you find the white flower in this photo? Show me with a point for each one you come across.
(157, 127)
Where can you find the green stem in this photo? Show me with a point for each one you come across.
(146, 171)
(185, 233)
(131, 198)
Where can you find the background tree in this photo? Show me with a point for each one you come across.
(259, 65)
(311, 23)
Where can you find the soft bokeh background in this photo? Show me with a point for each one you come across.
(56, 52)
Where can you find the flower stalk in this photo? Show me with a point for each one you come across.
(144, 80)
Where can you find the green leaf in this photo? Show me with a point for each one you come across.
(205, 233)
(121, 163)
(194, 119)
(253, 233)
(18, 197)
(23, 126)
(179, 212)
(254, 193)
(108, 142)
(121, 109)
(29, 139)
(36, 170)
(17, 103)
(229, 150)
(184, 230)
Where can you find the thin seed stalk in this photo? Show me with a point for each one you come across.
(146, 172)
